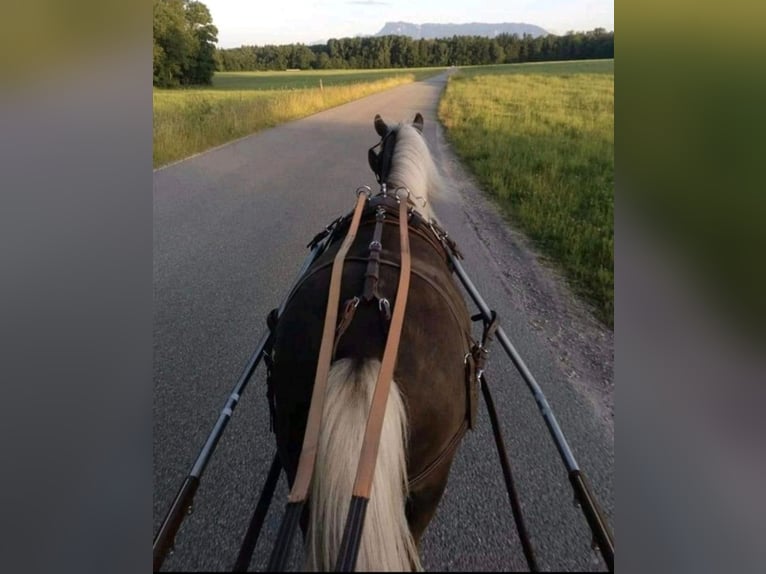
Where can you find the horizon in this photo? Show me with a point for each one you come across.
(241, 22)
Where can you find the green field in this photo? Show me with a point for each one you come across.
(188, 121)
(540, 139)
(310, 78)
(544, 68)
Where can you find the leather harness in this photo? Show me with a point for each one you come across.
(378, 211)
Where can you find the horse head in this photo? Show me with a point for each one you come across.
(404, 160)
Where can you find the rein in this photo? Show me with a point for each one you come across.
(299, 492)
(352, 534)
(368, 457)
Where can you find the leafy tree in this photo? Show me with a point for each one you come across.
(173, 45)
(184, 43)
(496, 53)
(301, 57)
(323, 61)
(201, 66)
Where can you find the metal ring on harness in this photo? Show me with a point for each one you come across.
(396, 193)
(364, 189)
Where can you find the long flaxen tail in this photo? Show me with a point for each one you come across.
(387, 544)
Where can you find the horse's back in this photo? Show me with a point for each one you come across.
(430, 365)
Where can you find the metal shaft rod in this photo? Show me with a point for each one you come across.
(601, 535)
(182, 505)
(542, 403)
(588, 503)
(165, 538)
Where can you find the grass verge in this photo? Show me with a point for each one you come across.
(540, 140)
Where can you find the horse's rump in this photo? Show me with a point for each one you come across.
(430, 366)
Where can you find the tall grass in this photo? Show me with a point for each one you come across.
(238, 104)
(542, 143)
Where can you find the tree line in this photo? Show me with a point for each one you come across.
(184, 51)
(184, 43)
(405, 52)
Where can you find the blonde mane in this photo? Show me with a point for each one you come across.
(413, 167)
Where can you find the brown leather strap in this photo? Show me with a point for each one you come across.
(372, 274)
(349, 310)
(366, 468)
(299, 492)
(437, 462)
(414, 271)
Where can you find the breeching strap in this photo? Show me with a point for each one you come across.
(299, 492)
(352, 534)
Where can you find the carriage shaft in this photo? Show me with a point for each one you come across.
(599, 528)
(183, 502)
(550, 419)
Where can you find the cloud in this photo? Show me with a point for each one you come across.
(369, 3)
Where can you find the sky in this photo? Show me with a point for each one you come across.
(252, 22)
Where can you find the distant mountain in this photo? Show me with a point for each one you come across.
(428, 31)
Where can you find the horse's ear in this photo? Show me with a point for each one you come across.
(418, 122)
(380, 126)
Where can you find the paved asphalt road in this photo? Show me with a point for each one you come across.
(230, 228)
